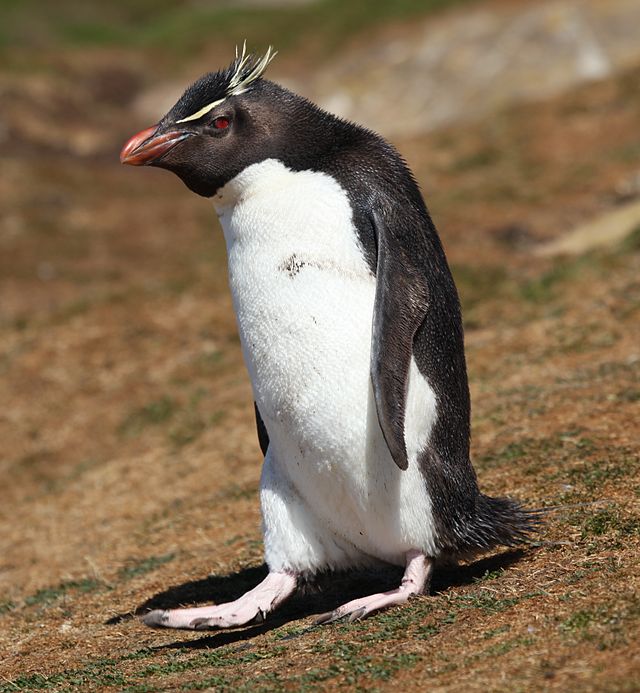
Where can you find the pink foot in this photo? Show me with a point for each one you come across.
(251, 607)
(415, 579)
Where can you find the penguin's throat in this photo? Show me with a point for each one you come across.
(252, 179)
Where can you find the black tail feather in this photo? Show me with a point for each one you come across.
(496, 522)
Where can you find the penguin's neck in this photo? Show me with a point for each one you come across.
(275, 217)
(256, 178)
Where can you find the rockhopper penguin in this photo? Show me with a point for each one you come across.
(351, 332)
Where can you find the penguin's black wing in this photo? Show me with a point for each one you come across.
(402, 295)
(263, 436)
(416, 313)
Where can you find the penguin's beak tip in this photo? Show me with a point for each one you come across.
(146, 146)
(133, 152)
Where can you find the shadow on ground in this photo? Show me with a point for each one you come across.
(327, 593)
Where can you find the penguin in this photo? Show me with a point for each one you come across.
(351, 332)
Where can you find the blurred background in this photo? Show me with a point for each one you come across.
(129, 460)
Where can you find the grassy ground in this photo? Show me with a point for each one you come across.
(130, 465)
(174, 30)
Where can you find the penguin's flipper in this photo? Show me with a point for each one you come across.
(263, 436)
(400, 307)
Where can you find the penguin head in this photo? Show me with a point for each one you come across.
(223, 123)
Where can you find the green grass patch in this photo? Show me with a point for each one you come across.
(578, 621)
(592, 475)
(6, 606)
(237, 492)
(155, 413)
(143, 566)
(179, 29)
(500, 648)
(573, 457)
(482, 158)
(490, 575)
(610, 521)
(511, 452)
(606, 624)
(632, 242)
(49, 595)
(210, 361)
(526, 451)
(479, 284)
(492, 632)
(192, 420)
(97, 674)
(628, 394)
(540, 294)
(489, 602)
(546, 286)
(184, 421)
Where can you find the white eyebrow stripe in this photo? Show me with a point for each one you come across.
(203, 111)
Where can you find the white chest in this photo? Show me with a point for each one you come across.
(302, 292)
(304, 300)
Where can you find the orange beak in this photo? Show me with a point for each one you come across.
(145, 147)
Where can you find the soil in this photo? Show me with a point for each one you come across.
(130, 463)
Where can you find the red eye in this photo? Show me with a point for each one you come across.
(221, 123)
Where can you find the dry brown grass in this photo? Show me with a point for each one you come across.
(130, 463)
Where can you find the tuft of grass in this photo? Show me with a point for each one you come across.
(632, 242)
(482, 158)
(478, 285)
(487, 601)
(573, 456)
(490, 575)
(191, 422)
(350, 666)
(427, 630)
(526, 449)
(580, 620)
(209, 361)
(49, 595)
(628, 394)
(187, 431)
(594, 474)
(187, 421)
(157, 412)
(6, 606)
(544, 288)
(491, 633)
(96, 675)
(608, 521)
(290, 632)
(607, 623)
(145, 565)
(236, 492)
(499, 648)
(509, 453)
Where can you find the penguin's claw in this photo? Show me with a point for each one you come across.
(357, 615)
(252, 608)
(155, 619)
(414, 581)
(325, 619)
(359, 609)
(340, 615)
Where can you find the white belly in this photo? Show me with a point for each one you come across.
(304, 301)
